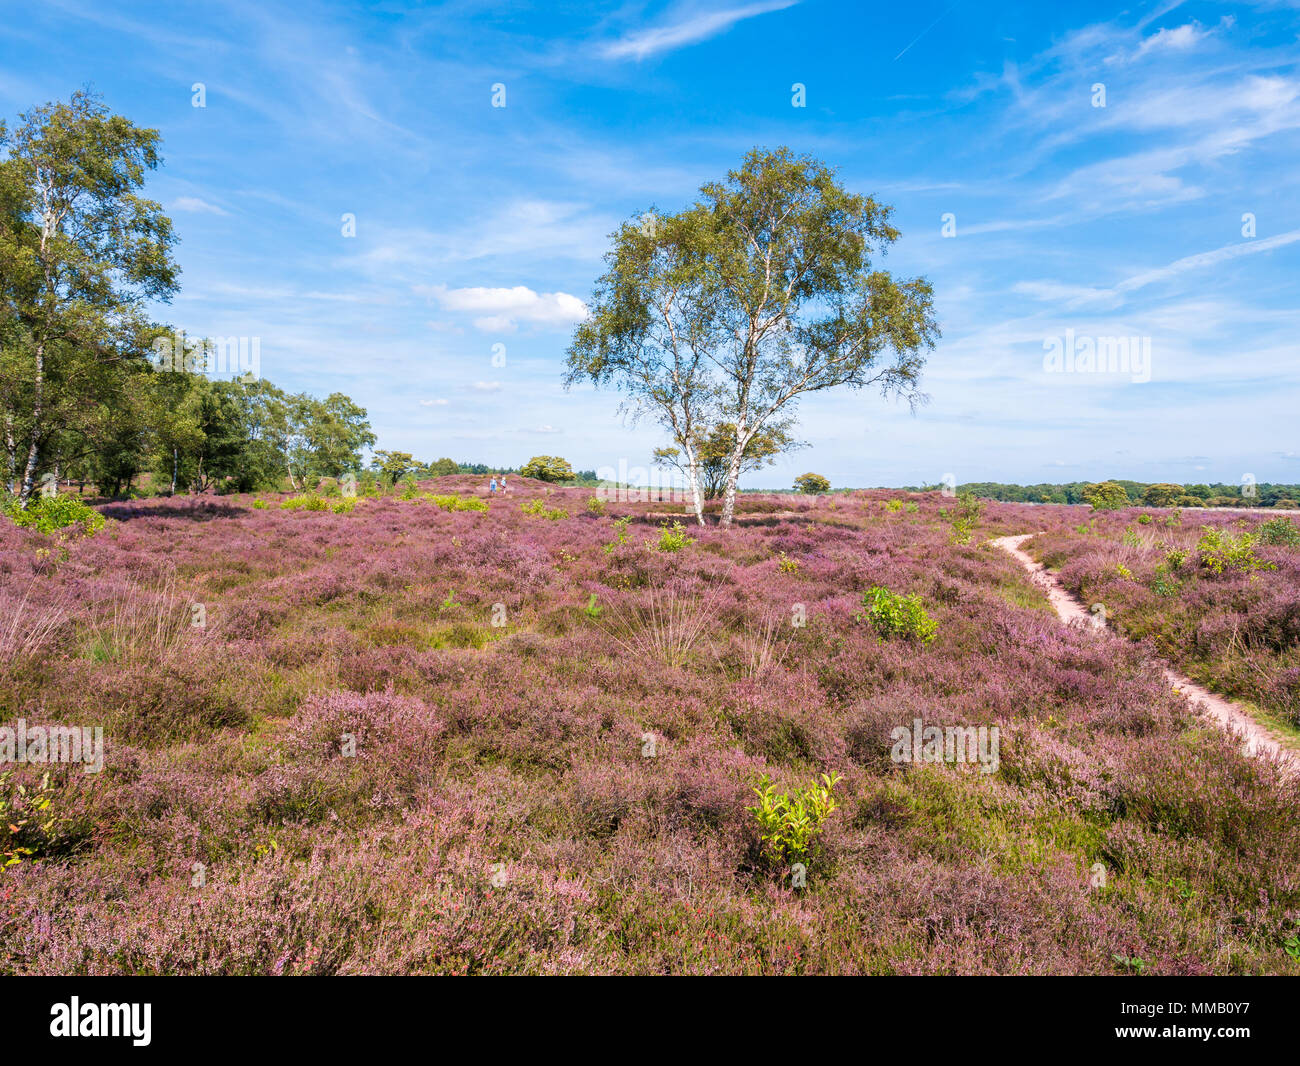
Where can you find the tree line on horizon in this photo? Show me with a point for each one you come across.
(1133, 493)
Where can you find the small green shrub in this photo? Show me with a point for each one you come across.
(49, 514)
(538, 509)
(1279, 531)
(893, 615)
(26, 820)
(964, 516)
(789, 824)
(673, 538)
(595, 505)
(620, 534)
(308, 501)
(894, 506)
(786, 565)
(1221, 550)
(459, 503)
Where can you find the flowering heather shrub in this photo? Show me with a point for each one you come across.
(502, 811)
(1215, 600)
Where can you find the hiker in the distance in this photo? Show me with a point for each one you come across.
(503, 483)
(492, 487)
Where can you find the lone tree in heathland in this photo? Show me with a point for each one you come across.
(760, 292)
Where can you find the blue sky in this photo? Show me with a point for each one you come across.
(479, 226)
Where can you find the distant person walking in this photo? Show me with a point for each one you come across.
(503, 483)
(492, 486)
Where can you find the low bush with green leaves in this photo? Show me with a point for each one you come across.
(1279, 531)
(308, 501)
(51, 514)
(538, 509)
(891, 614)
(1221, 550)
(673, 538)
(789, 824)
(620, 534)
(459, 503)
(964, 516)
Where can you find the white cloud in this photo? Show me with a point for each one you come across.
(197, 206)
(439, 402)
(690, 30)
(1178, 39)
(486, 386)
(498, 310)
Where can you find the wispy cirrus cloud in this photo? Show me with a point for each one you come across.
(197, 205)
(687, 29)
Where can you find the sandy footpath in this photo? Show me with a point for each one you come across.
(1255, 738)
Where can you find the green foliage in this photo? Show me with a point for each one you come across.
(538, 509)
(1162, 495)
(547, 468)
(673, 538)
(714, 449)
(1220, 550)
(1144, 519)
(50, 514)
(459, 503)
(1279, 530)
(1175, 557)
(595, 505)
(893, 615)
(964, 517)
(308, 501)
(620, 534)
(894, 506)
(443, 468)
(27, 820)
(393, 466)
(593, 610)
(1162, 584)
(1106, 496)
(812, 484)
(790, 823)
(786, 565)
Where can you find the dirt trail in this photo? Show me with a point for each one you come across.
(1255, 738)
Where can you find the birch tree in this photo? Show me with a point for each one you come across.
(81, 254)
(789, 254)
(653, 321)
